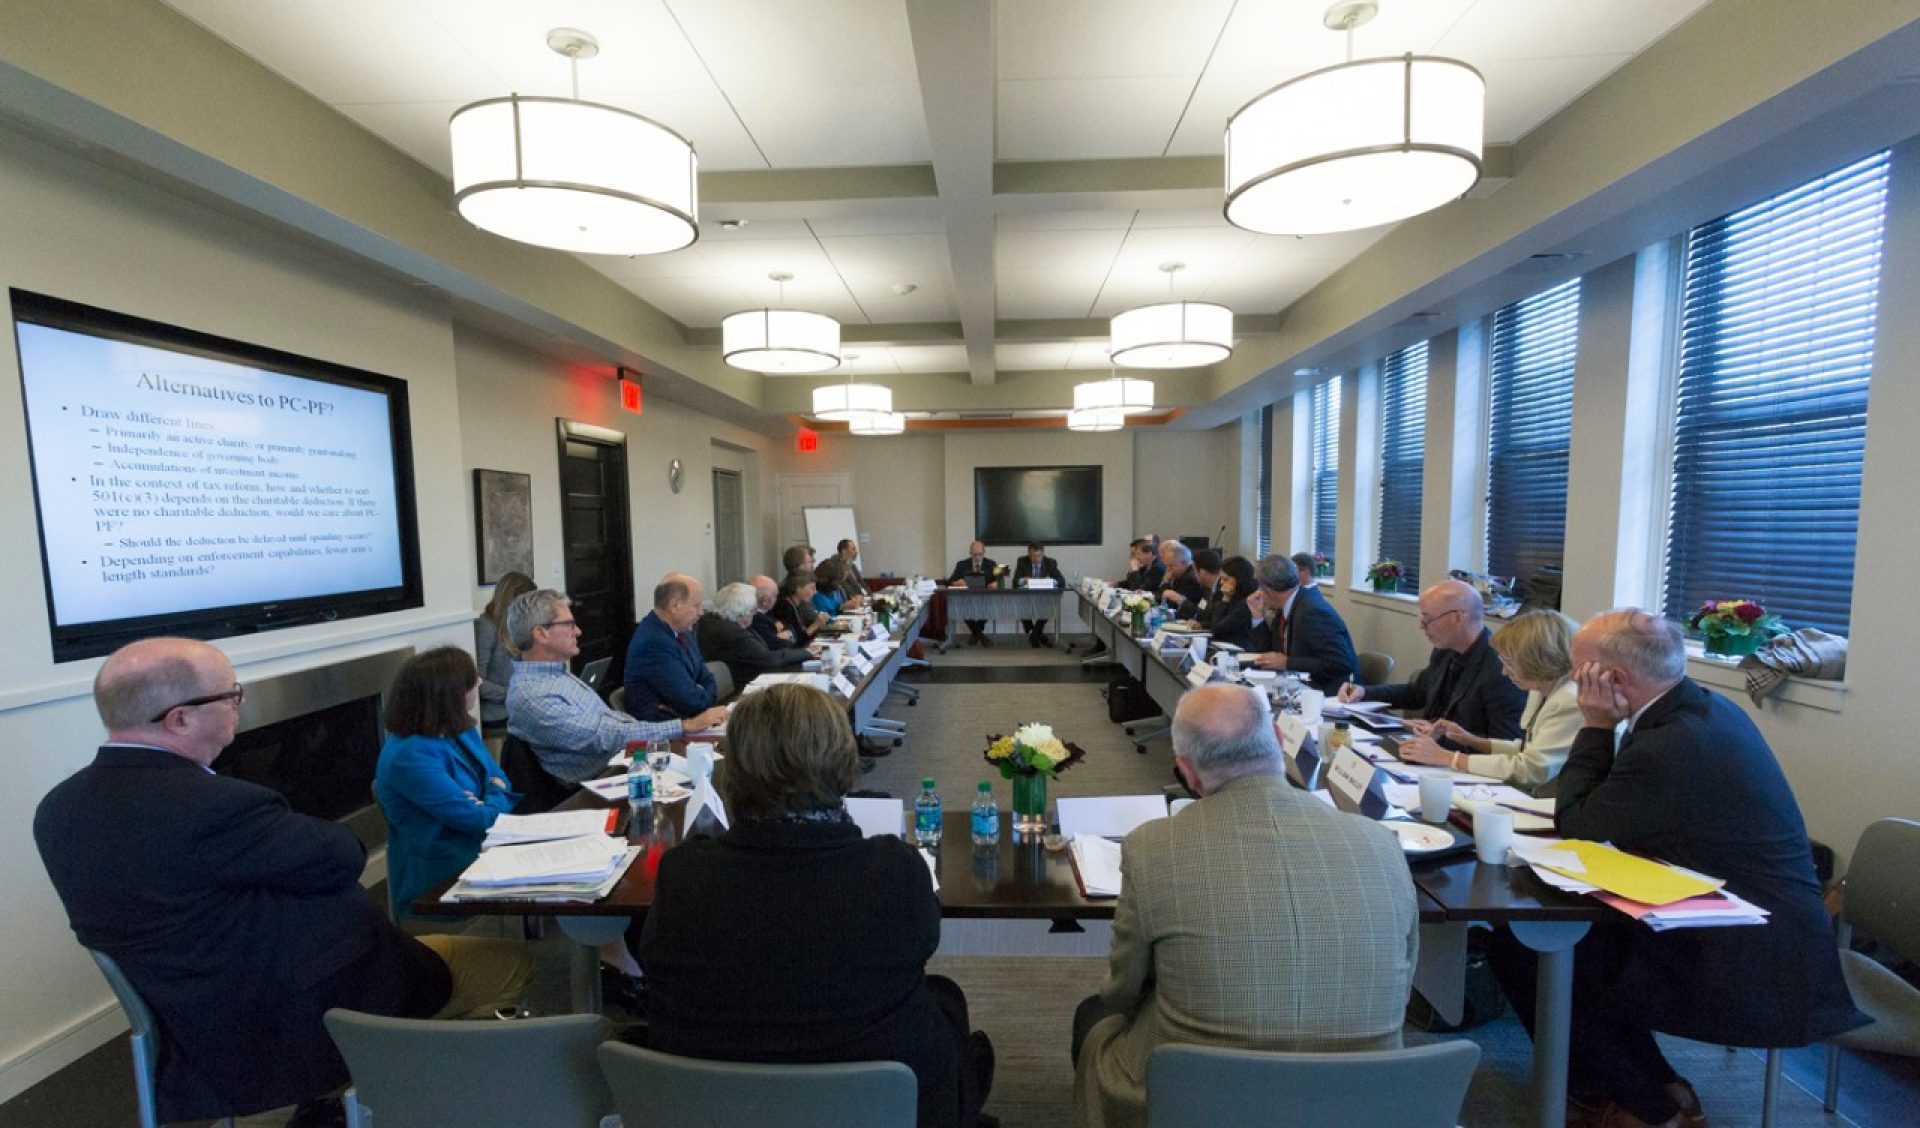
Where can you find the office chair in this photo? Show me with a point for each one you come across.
(655, 1088)
(1207, 1086)
(146, 1039)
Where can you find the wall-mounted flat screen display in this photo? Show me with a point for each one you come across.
(190, 484)
(1051, 505)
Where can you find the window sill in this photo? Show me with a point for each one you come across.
(1725, 674)
(1396, 602)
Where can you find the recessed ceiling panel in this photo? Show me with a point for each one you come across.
(931, 300)
(1048, 356)
(1105, 38)
(1088, 118)
(1078, 250)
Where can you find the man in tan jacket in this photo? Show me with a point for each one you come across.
(1258, 918)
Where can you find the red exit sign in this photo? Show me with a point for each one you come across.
(806, 441)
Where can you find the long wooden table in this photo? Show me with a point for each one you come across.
(1461, 891)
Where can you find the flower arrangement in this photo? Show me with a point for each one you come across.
(1137, 602)
(1322, 565)
(1735, 626)
(1032, 750)
(1384, 575)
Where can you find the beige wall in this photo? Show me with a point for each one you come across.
(899, 498)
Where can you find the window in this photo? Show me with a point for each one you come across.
(1530, 365)
(1776, 343)
(1403, 455)
(1325, 441)
(1263, 488)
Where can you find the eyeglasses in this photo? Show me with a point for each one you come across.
(236, 695)
(563, 623)
(1429, 620)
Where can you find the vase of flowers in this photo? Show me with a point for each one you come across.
(1137, 607)
(1322, 566)
(1030, 757)
(1735, 627)
(1384, 575)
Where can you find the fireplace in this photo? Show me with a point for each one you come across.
(314, 737)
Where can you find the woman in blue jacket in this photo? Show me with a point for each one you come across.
(436, 781)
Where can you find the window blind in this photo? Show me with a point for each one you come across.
(1263, 488)
(1403, 450)
(1530, 418)
(1776, 344)
(1325, 440)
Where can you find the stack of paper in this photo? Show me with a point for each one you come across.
(1109, 816)
(512, 830)
(876, 817)
(762, 682)
(1715, 910)
(568, 869)
(1097, 861)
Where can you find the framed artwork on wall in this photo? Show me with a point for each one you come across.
(503, 523)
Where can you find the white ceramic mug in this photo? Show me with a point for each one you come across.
(1492, 834)
(1436, 796)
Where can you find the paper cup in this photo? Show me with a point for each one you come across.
(1436, 796)
(1492, 834)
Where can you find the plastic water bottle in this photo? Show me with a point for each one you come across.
(986, 816)
(926, 815)
(639, 791)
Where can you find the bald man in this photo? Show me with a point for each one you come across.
(1462, 682)
(1197, 957)
(774, 634)
(666, 678)
(238, 921)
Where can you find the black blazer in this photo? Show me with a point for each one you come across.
(799, 942)
(1317, 644)
(795, 619)
(745, 655)
(1475, 695)
(238, 921)
(1193, 609)
(1694, 783)
(1023, 571)
(1228, 621)
(1145, 579)
(963, 567)
(763, 626)
(1187, 584)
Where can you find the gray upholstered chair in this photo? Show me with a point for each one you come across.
(655, 1088)
(1883, 897)
(423, 1073)
(1207, 1086)
(618, 699)
(723, 686)
(146, 1039)
(1375, 667)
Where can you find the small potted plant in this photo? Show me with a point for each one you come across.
(1322, 566)
(1734, 627)
(1384, 575)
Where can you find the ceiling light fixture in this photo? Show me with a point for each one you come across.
(1095, 419)
(1357, 144)
(573, 175)
(1171, 334)
(1125, 394)
(782, 342)
(882, 423)
(854, 403)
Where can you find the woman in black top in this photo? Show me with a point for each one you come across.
(1227, 616)
(792, 938)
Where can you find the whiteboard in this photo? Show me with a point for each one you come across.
(828, 525)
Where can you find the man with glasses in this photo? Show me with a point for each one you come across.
(1462, 682)
(238, 921)
(571, 731)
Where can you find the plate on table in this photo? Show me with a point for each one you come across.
(1418, 838)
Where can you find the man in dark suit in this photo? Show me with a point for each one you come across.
(238, 921)
(1296, 629)
(1462, 682)
(975, 570)
(774, 635)
(1037, 566)
(1147, 573)
(725, 637)
(667, 679)
(1179, 584)
(1693, 783)
(1206, 570)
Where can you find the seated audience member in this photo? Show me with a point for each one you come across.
(1206, 570)
(667, 676)
(1227, 615)
(239, 922)
(795, 609)
(1179, 583)
(1295, 628)
(571, 731)
(974, 571)
(1303, 563)
(799, 558)
(491, 653)
(1037, 566)
(1536, 654)
(1693, 783)
(1197, 958)
(793, 938)
(829, 594)
(436, 782)
(773, 633)
(1147, 573)
(725, 637)
(1462, 682)
(853, 585)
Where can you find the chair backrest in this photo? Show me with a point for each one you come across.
(146, 1036)
(618, 699)
(655, 1088)
(1375, 667)
(593, 671)
(422, 1073)
(723, 686)
(1883, 885)
(1206, 1086)
(540, 790)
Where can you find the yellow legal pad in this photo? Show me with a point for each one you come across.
(1636, 879)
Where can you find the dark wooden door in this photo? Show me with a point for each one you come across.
(599, 553)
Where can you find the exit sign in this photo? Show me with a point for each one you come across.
(806, 441)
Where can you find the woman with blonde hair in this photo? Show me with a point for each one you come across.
(1536, 654)
(493, 654)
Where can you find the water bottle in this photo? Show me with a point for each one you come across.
(986, 816)
(640, 791)
(926, 815)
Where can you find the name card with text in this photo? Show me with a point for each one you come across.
(1358, 782)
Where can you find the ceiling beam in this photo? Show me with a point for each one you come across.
(949, 332)
(953, 51)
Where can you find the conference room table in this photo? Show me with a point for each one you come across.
(1002, 605)
(1454, 893)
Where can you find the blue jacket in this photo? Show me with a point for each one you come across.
(666, 679)
(440, 795)
(828, 601)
